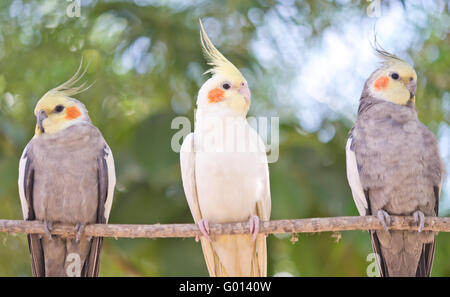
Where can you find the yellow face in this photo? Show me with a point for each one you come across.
(395, 83)
(54, 113)
(231, 91)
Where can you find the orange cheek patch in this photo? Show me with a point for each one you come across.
(381, 83)
(216, 95)
(72, 113)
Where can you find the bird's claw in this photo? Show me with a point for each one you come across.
(48, 226)
(254, 226)
(79, 228)
(419, 218)
(385, 219)
(204, 228)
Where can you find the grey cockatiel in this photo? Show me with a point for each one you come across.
(66, 175)
(394, 167)
(225, 171)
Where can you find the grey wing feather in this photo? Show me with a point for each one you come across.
(381, 263)
(106, 184)
(361, 199)
(26, 181)
(427, 256)
(426, 259)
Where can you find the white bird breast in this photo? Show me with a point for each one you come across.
(229, 182)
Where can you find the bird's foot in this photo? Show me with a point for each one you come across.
(79, 228)
(204, 228)
(254, 226)
(419, 218)
(385, 219)
(48, 226)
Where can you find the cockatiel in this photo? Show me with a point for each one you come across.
(66, 175)
(394, 167)
(225, 171)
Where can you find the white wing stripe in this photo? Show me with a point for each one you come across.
(111, 181)
(354, 180)
(21, 181)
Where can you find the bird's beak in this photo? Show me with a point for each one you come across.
(39, 118)
(245, 91)
(412, 86)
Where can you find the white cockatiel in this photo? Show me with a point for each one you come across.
(225, 171)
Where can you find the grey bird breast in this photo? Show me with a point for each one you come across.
(398, 159)
(66, 174)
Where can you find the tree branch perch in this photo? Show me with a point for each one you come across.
(311, 225)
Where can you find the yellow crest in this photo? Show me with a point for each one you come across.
(68, 88)
(219, 63)
(387, 59)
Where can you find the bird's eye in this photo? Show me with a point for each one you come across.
(226, 86)
(242, 84)
(395, 75)
(59, 108)
(411, 79)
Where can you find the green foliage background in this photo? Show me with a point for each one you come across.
(146, 61)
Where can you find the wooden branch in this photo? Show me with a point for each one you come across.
(438, 224)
